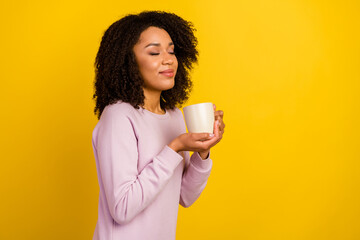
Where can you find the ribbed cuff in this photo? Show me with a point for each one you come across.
(199, 163)
(169, 157)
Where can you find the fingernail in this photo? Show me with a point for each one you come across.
(211, 135)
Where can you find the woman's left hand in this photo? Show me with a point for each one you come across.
(219, 126)
(219, 115)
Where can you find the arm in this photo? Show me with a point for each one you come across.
(198, 169)
(128, 191)
(194, 179)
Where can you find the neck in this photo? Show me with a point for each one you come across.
(152, 101)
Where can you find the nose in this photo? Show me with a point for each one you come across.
(168, 59)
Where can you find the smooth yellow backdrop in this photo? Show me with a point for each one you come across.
(286, 74)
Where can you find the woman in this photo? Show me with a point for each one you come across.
(140, 142)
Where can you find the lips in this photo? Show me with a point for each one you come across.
(168, 73)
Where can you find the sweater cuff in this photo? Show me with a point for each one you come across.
(169, 157)
(199, 163)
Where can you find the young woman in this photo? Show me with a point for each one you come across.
(140, 142)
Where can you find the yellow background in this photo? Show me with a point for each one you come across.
(286, 74)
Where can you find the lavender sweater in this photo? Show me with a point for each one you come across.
(142, 180)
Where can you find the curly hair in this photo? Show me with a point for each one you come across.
(117, 76)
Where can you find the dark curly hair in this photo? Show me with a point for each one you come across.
(117, 76)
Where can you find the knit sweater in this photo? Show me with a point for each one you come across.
(141, 179)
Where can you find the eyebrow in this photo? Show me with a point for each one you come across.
(157, 44)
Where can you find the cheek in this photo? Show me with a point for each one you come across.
(149, 66)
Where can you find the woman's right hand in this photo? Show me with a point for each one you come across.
(196, 142)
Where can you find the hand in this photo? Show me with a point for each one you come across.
(200, 142)
(218, 115)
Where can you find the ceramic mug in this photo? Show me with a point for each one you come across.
(199, 117)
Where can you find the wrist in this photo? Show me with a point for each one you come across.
(204, 155)
(174, 145)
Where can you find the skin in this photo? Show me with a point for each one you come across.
(154, 54)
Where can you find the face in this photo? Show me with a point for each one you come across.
(157, 63)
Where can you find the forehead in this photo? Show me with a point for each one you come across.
(154, 34)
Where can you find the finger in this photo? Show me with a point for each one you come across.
(219, 115)
(218, 136)
(222, 126)
(218, 132)
(202, 136)
(221, 123)
(212, 142)
(206, 145)
(216, 128)
(214, 106)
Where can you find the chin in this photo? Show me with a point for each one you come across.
(168, 86)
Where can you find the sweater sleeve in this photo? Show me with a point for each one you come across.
(194, 179)
(128, 191)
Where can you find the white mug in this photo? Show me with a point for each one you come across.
(199, 117)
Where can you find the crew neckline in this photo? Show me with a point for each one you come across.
(161, 116)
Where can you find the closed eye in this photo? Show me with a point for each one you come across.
(154, 54)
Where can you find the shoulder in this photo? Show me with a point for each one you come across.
(115, 123)
(116, 117)
(117, 110)
(119, 114)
